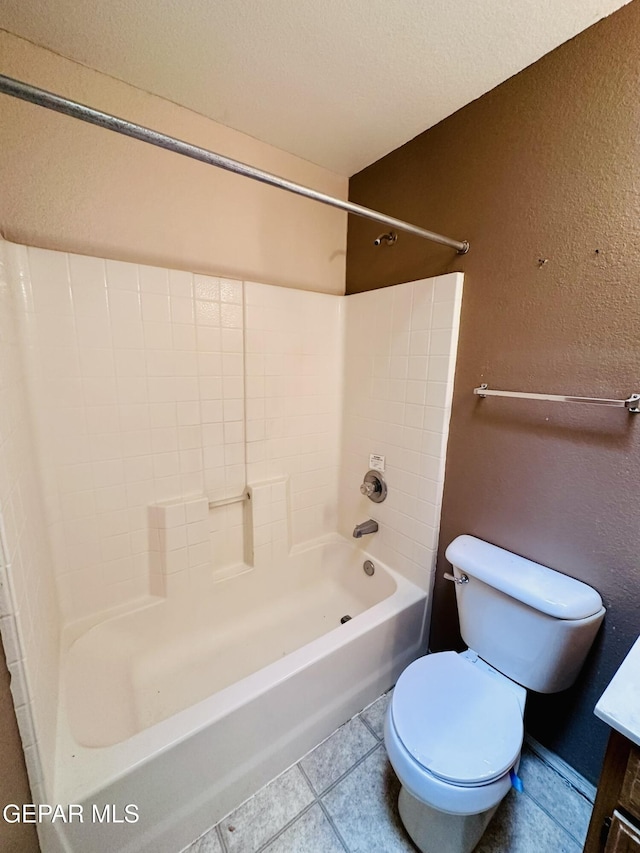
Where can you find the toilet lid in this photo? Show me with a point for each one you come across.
(461, 723)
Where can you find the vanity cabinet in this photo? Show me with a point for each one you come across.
(615, 822)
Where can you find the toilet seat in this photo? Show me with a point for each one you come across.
(461, 723)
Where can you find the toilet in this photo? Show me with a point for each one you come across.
(454, 726)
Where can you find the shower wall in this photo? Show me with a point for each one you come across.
(136, 385)
(29, 618)
(149, 386)
(294, 355)
(401, 345)
(135, 379)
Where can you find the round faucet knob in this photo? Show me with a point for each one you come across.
(374, 487)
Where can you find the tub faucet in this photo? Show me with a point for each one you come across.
(365, 527)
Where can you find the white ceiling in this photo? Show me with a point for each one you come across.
(337, 82)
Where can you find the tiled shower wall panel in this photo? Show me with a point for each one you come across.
(400, 350)
(29, 617)
(136, 385)
(294, 391)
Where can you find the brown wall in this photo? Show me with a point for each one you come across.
(14, 787)
(546, 166)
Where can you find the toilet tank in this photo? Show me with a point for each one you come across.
(530, 622)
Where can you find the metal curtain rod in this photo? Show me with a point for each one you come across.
(26, 92)
(631, 404)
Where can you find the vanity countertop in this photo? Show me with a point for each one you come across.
(619, 705)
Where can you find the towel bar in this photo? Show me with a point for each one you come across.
(631, 404)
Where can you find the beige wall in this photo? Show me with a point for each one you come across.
(71, 186)
(546, 166)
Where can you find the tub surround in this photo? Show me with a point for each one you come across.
(146, 385)
(30, 619)
(400, 347)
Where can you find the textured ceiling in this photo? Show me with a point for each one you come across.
(337, 83)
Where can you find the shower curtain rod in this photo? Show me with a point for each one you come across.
(26, 92)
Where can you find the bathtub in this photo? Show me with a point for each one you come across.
(185, 707)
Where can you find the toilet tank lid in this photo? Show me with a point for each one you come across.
(545, 589)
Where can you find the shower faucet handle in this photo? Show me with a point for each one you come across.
(374, 486)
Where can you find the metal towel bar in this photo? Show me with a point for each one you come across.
(225, 501)
(631, 404)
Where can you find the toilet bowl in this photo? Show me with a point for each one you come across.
(453, 734)
(454, 725)
(454, 731)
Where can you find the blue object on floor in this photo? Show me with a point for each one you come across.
(516, 781)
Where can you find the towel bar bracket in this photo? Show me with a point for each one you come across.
(632, 404)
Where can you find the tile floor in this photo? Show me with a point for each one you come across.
(341, 798)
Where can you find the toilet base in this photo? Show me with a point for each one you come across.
(439, 832)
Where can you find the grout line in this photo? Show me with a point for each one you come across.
(340, 779)
(554, 819)
(306, 778)
(325, 811)
(221, 838)
(316, 796)
(287, 826)
(362, 720)
(297, 764)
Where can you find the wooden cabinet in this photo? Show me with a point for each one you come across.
(615, 822)
(623, 836)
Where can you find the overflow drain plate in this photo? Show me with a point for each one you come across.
(345, 619)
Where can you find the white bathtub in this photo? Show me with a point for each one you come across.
(185, 708)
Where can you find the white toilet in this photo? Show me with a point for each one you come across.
(454, 727)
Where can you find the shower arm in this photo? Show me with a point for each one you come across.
(51, 101)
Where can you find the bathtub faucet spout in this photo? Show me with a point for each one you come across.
(365, 527)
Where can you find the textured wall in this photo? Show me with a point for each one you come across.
(546, 166)
(69, 186)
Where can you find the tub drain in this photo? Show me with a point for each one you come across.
(345, 619)
(368, 567)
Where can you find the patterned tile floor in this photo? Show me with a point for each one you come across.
(342, 798)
